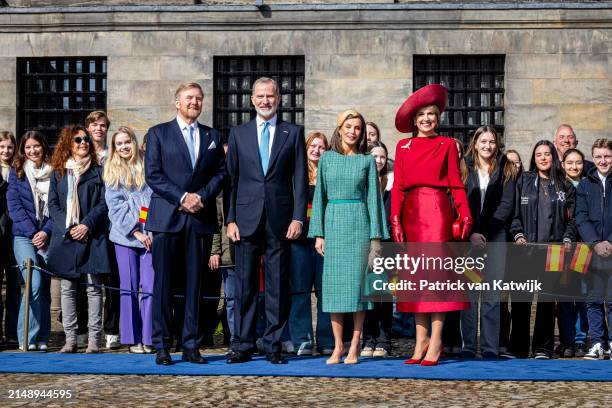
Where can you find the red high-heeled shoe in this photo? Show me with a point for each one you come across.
(429, 363)
(417, 360)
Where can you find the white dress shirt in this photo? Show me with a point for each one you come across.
(271, 128)
(603, 181)
(196, 134)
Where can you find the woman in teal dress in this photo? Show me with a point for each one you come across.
(347, 218)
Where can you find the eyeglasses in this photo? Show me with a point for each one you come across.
(81, 139)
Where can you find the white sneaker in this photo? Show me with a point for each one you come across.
(82, 340)
(305, 349)
(137, 349)
(595, 353)
(367, 351)
(42, 347)
(287, 346)
(112, 341)
(380, 352)
(31, 347)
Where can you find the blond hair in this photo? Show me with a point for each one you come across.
(312, 167)
(120, 172)
(185, 86)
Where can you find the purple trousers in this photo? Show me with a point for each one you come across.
(136, 312)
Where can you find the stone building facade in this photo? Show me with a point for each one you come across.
(557, 56)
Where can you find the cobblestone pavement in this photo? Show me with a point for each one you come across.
(233, 391)
(224, 391)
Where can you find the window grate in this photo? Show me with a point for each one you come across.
(54, 92)
(476, 91)
(233, 78)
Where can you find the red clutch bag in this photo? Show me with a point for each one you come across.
(457, 230)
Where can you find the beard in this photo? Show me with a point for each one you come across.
(266, 113)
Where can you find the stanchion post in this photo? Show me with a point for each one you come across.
(26, 315)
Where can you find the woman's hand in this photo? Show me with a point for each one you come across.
(478, 240)
(39, 240)
(603, 249)
(79, 232)
(320, 246)
(397, 232)
(521, 241)
(144, 239)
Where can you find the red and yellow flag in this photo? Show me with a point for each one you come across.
(142, 218)
(581, 258)
(554, 258)
(308, 211)
(474, 275)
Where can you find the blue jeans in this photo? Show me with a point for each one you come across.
(40, 296)
(566, 314)
(228, 276)
(489, 303)
(600, 294)
(582, 323)
(306, 272)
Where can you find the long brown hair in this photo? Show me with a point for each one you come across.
(21, 158)
(510, 170)
(313, 168)
(462, 164)
(472, 151)
(6, 135)
(63, 149)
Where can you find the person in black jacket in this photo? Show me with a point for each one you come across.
(79, 243)
(594, 220)
(543, 212)
(490, 190)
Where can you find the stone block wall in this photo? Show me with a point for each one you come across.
(553, 74)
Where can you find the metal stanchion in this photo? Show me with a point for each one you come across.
(26, 315)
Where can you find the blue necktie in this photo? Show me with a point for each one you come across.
(264, 147)
(191, 145)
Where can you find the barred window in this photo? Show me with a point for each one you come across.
(476, 90)
(233, 78)
(54, 92)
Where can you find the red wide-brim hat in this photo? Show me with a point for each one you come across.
(433, 94)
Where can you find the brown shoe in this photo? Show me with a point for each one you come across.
(69, 348)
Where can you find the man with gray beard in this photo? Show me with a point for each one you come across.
(266, 161)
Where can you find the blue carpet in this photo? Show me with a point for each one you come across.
(449, 369)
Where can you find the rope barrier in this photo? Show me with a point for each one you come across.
(103, 286)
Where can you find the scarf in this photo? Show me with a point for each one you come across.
(39, 184)
(75, 169)
(5, 169)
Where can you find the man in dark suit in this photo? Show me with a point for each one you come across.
(565, 139)
(185, 168)
(266, 161)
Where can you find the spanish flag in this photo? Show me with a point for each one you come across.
(554, 258)
(474, 275)
(308, 211)
(144, 211)
(581, 258)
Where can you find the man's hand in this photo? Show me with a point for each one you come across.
(79, 232)
(295, 230)
(192, 203)
(144, 239)
(40, 239)
(478, 240)
(603, 249)
(521, 241)
(214, 262)
(320, 246)
(232, 232)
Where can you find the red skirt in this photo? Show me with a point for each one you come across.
(427, 216)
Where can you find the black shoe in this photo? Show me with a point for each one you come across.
(163, 357)
(580, 350)
(236, 357)
(276, 358)
(193, 356)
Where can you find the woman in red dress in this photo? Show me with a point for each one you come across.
(426, 168)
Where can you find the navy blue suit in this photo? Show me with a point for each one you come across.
(181, 240)
(263, 206)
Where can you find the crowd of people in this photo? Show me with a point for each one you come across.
(268, 216)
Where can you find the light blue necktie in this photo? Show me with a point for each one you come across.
(191, 145)
(264, 147)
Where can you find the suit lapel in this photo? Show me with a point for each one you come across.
(182, 145)
(252, 145)
(204, 143)
(280, 137)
